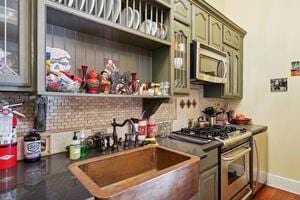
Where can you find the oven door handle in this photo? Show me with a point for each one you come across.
(237, 155)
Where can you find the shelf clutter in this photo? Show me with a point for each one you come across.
(108, 82)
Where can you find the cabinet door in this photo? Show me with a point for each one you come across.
(181, 63)
(216, 30)
(209, 184)
(15, 67)
(231, 38)
(199, 25)
(182, 11)
(236, 74)
(228, 85)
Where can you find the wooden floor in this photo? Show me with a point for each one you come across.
(270, 193)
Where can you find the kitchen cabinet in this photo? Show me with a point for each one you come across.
(92, 41)
(216, 31)
(231, 37)
(236, 74)
(181, 63)
(182, 11)
(233, 86)
(228, 84)
(16, 68)
(208, 185)
(199, 24)
(260, 157)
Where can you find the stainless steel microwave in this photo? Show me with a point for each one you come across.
(207, 64)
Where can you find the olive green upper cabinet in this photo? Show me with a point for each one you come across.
(216, 32)
(228, 85)
(181, 66)
(15, 51)
(237, 75)
(199, 24)
(182, 11)
(231, 38)
(234, 84)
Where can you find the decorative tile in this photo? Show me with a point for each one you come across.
(188, 103)
(182, 104)
(194, 103)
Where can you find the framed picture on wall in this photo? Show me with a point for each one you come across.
(279, 85)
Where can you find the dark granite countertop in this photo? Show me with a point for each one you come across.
(254, 128)
(50, 178)
(190, 148)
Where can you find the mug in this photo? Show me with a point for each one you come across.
(178, 62)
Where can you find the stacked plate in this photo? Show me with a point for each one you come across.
(112, 10)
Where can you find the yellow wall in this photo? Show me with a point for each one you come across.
(272, 42)
(218, 4)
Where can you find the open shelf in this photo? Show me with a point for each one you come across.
(101, 95)
(60, 15)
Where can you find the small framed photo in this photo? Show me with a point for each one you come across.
(279, 85)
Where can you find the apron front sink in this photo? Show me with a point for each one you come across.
(142, 173)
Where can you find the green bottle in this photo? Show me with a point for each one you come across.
(83, 145)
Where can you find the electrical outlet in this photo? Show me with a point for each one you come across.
(45, 145)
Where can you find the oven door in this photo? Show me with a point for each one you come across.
(235, 170)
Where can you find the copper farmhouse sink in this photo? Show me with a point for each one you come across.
(142, 173)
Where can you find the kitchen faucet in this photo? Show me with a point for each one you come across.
(115, 135)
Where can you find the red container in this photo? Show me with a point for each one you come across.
(8, 155)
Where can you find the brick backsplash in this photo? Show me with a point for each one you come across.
(73, 113)
(89, 112)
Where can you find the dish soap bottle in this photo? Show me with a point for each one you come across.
(74, 148)
(83, 145)
(32, 146)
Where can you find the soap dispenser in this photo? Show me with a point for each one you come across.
(74, 148)
(83, 145)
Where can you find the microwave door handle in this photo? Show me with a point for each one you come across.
(225, 68)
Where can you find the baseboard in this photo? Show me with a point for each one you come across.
(283, 183)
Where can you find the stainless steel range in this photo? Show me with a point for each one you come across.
(234, 156)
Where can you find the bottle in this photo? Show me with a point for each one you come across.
(32, 146)
(83, 145)
(74, 151)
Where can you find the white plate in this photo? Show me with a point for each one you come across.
(100, 6)
(70, 3)
(154, 28)
(145, 26)
(164, 31)
(108, 8)
(81, 4)
(130, 17)
(91, 6)
(136, 19)
(117, 10)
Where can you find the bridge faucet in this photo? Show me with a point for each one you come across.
(115, 135)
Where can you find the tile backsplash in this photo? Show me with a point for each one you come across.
(73, 113)
(67, 114)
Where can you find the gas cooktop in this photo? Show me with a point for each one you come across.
(225, 134)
